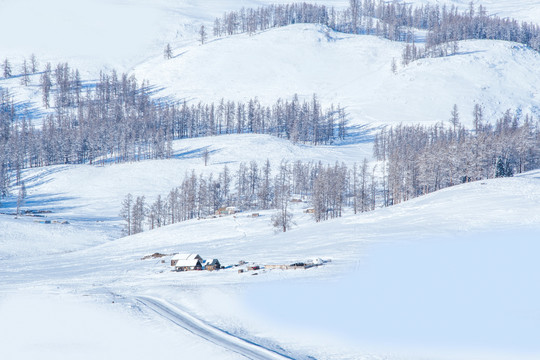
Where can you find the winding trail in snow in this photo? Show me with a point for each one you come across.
(216, 336)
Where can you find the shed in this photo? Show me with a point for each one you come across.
(211, 264)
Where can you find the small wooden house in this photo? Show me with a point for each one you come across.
(232, 210)
(188, 265)
(212, 264)
(229, 210)
(185, 257)
(310, 211)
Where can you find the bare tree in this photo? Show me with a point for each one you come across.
(356, 8)
(125, 213)
(477, 117)
(46, 85)
(21, 198)
(167, 52)
(6, 67)
(206, 156)
(138, 214)
(454, 117)
(282, 219)
(264, 193)
(25, 79)
(33, 64)
(202, 34)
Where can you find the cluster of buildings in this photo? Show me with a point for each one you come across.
(229, 210)
(194, 262)
(191, 262)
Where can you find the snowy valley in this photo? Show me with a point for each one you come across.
(407, 267)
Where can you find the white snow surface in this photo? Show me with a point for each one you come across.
(451, 275)
(94, 193)
(92, 34)
(354, 71)
(350, 70)
(448, 275)
(122, 33)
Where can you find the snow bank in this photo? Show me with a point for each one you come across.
(65, 326)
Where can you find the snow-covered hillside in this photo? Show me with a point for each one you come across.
(81, 193)
(123, 33)
(92, 35)
(354, 71)
(448, 275)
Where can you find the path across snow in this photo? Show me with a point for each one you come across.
(216, 336)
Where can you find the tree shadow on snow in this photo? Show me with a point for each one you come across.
(198, 153)
(357, 134)
(42, 177)
(42, 202)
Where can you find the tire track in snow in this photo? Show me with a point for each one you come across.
(216, 336)
(237, 227)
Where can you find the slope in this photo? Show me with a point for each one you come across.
(90, 196)
(354, 71)
(455, 251)
(93, 35)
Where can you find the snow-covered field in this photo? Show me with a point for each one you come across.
(451, 275)
(453, 270)
(448, 275)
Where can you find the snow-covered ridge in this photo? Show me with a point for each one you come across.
(354, 71)
(449, 275)
(351, 70)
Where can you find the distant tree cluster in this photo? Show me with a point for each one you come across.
(263, 18)
(7, 117)
(116, 120)
(252, 186)
(419, 160)
(389, 19)
(27, 68)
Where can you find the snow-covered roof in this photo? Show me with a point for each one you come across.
(186, 257)
(187, 263)
(211, 262)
